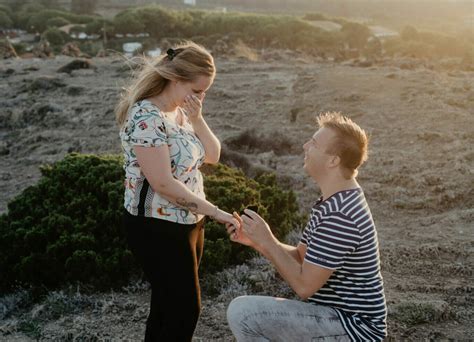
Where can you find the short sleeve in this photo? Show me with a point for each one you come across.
(331, 241)
(146, 127)
(306, 232)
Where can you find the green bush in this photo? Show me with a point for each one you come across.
(128, 22)
(20, 20)
(32, 8)
(315, 16)
(66, 229)
(39, 21)
(57, 22)
(97, 27)
(356, 34)
(409, 33)
(255, 30)
(6, 10)
(54, 36)
(77, 29)
(83, 6)
(5, 20)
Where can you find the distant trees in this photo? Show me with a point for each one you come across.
(409, 33)
(57, 22)
(128, 22)
(83, 6)
(15, 5)
(356, 34)
(5, 21)
(49, 3)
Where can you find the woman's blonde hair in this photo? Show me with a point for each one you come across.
(185, 62)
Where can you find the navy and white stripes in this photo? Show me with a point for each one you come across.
(341, 235)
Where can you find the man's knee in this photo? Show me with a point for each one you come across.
(237, 309)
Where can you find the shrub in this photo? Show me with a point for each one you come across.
(77, 29)
(71, 228)
(314, 16)
(409, 33)
(128, 22)
(6, 10)
(54, 36)
(5, 20)
(97, 27)
(32, 8)
(20, 20)
(356, 34)
(38, 21)
(57, 22)
(83, 6)
(66, 229)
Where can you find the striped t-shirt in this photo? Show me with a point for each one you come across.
(341, 236)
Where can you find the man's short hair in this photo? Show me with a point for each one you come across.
(350, 144)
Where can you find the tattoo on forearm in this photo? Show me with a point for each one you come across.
(191, 206)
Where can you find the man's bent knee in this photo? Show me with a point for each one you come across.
(236, 310)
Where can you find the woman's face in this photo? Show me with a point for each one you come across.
(198, 87)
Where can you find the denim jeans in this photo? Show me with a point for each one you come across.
(260, 318)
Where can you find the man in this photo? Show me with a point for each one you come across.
(335, 266)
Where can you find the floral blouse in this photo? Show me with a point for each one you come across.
(148, 126)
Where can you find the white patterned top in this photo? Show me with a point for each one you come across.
(148, 126)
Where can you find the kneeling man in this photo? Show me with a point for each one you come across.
(335, 266)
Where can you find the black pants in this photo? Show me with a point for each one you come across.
(169, 254)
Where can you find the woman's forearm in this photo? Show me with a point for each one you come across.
(178, 194)
(211, 144)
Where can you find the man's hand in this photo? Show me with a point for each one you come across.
(256, 230)
(252, 231)
(236, 233)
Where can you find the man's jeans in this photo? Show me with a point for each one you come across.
(259, 318)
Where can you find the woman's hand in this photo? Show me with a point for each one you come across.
(193, 107)
(226, 218)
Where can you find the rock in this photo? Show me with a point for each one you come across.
(365, 64)
(102, 53)
(4, 150)
(76, 65)
(220, 48)
(43, 50)
(7, 72)
(38, 113)
(75, 90)
(72, 50)
(46, 83)
(7, 50)
(391, 76)
(32, 68)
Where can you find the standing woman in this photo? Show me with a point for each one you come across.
(165, 140)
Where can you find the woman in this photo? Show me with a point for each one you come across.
(165, 140)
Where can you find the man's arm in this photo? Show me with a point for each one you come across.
(303, 277)
(296, 252)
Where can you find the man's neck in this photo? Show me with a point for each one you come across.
(331, 186)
